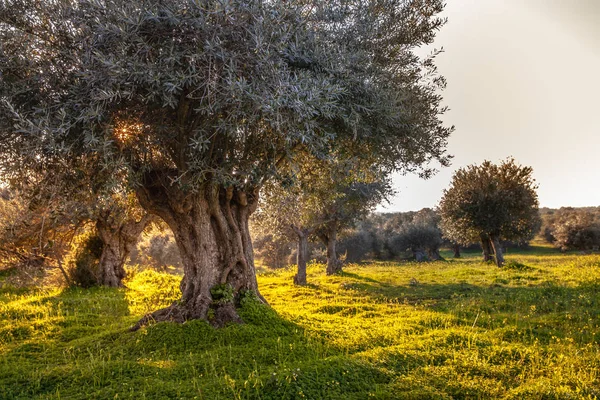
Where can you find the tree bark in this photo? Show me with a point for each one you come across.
(456, 249)
(486, 247)
(302, 256)
(420, 255)
(329, 239)
(434, 254)
(210, 227)
(118, 240)
(497, 250)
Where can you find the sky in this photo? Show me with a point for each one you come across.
(523, 81)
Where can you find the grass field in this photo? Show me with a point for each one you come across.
(444, 330)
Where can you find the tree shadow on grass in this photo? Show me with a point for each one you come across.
(358, 277)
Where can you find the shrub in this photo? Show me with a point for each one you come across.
(575, 229)
(83, 260)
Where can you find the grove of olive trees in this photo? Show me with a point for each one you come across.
(195, 105)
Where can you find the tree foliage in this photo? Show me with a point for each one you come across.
(38, 226)
(421, 236)
(211, 89)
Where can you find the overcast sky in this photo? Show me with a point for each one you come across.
(523, 81)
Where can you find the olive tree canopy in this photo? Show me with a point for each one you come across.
(199, 102)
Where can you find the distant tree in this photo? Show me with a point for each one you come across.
(157, 249)
(345, 192)
(273, 250)
(497, 201)
(575, 229)
(284, 212)
(418, 232)
(431, 219)
(456, 249)
(202, 102)
(548, 217)
(357, 244)
(421, 239)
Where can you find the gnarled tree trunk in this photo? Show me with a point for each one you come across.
(486, 247)
(495, 240)
(302, 255)
(210, 227)
(434, 254)
(118, 237)
(329, 238)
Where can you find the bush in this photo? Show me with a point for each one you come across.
(83, 260)
(422, 240)
(575, 229)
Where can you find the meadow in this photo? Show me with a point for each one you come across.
(454, 329)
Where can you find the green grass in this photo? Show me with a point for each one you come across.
(444, 330)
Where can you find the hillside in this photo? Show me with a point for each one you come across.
(449, 329)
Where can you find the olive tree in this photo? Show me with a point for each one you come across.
(285, 213)
(320, 197)
(490, 202)
(199, 103)
(39, 221)
(417, 232)
(338, 192)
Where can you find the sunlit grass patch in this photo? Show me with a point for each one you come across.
(442, 330)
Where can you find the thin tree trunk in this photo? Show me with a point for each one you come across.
(497, 250)
(456, 249)
(63, 271)
(118, 240)
(210, 227)
(334, 265)
(302, 254)
(486, 247)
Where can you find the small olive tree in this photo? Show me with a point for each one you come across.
(493, 201)
(321, 197)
